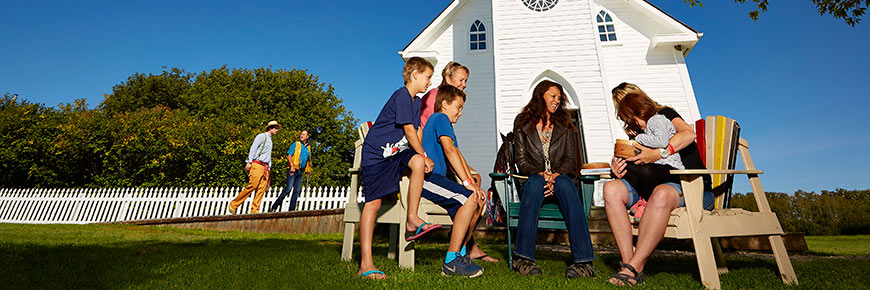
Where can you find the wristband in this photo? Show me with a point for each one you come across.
(671, 149)
(465, 183)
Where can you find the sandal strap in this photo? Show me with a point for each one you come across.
(630, 268)
(626, 279)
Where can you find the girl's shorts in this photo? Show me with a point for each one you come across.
(633, 197)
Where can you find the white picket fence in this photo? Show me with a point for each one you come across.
(84, 205)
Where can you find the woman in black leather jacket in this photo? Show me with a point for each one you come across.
(546, 149)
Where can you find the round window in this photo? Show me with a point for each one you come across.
(540, 5)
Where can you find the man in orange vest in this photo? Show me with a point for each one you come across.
(299, 162)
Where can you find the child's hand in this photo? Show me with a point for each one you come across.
(428, 165)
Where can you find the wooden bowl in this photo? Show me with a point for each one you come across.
(596, 165)
(623, 149)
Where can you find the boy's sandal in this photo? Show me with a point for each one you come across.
(367, 273)
(421, 232)
(627, 280)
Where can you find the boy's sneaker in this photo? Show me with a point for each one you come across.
(461, 266)
(526, 267)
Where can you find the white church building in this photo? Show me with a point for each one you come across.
(587, 46)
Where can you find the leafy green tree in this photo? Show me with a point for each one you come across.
(146, 91)
(850, 11)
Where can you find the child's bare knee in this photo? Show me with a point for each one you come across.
(416, 162)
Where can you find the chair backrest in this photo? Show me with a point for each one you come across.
(362, 130)
(717, 139)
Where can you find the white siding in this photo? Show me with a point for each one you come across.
(560, 40)
(476, 128)
(561, 44)
(659, 71)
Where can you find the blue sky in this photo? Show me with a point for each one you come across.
(795, 80)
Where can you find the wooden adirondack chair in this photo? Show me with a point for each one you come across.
(392, 212)
(718, 139)
(550, 216)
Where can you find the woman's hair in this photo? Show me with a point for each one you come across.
(636, 105)
(623, 89)
(536, 109)
(449, 70)
(447, 93)
(415, 64)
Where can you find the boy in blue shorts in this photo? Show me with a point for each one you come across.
(462, 201)
(392, 145)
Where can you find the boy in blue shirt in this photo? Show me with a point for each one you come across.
(462, 201)
(385, 156)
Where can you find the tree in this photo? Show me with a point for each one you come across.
(175, 129)
(850, 11)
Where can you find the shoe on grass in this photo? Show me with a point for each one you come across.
(580, 270)
(526, 267)
(461, 266)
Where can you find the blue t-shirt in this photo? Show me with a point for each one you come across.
(401, 109)
(438, 125)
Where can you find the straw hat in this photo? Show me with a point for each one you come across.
(272, 123)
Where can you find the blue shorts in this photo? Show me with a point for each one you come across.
(633, 197)
(445, 192)
(382, 178)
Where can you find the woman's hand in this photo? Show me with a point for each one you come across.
(617, 165)
(647, 155)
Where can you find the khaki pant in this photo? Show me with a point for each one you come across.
(257, 179)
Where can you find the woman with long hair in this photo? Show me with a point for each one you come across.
(546, 144)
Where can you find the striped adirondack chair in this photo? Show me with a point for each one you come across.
(719, 141)
(393, 212)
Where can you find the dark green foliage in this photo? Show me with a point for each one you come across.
(175, 129)
(850, 11)
(826, 213)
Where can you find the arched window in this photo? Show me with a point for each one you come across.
(478, 36)
(606, 31)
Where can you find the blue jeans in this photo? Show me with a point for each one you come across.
(294, 182)
(532, 199)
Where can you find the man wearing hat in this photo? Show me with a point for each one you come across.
(259, 161)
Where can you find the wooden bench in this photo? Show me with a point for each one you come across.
(393, 212)
(719, 142)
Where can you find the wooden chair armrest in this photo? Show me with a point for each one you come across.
(719, 171)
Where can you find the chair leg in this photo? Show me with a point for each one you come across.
(510, 249)
(782, 261)
(347, 244)
(720, 257)
(706, 261)
(406, 249)
(394, 233)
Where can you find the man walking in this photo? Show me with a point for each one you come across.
(299, 162)
(259, 161)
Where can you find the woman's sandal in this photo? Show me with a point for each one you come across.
(627, 280)
(486, 258)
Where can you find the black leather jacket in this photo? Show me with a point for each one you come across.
(529, 154)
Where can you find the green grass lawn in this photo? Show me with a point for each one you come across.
(124, 256)
(839, 245)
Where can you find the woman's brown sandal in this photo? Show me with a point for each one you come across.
(627, 280)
